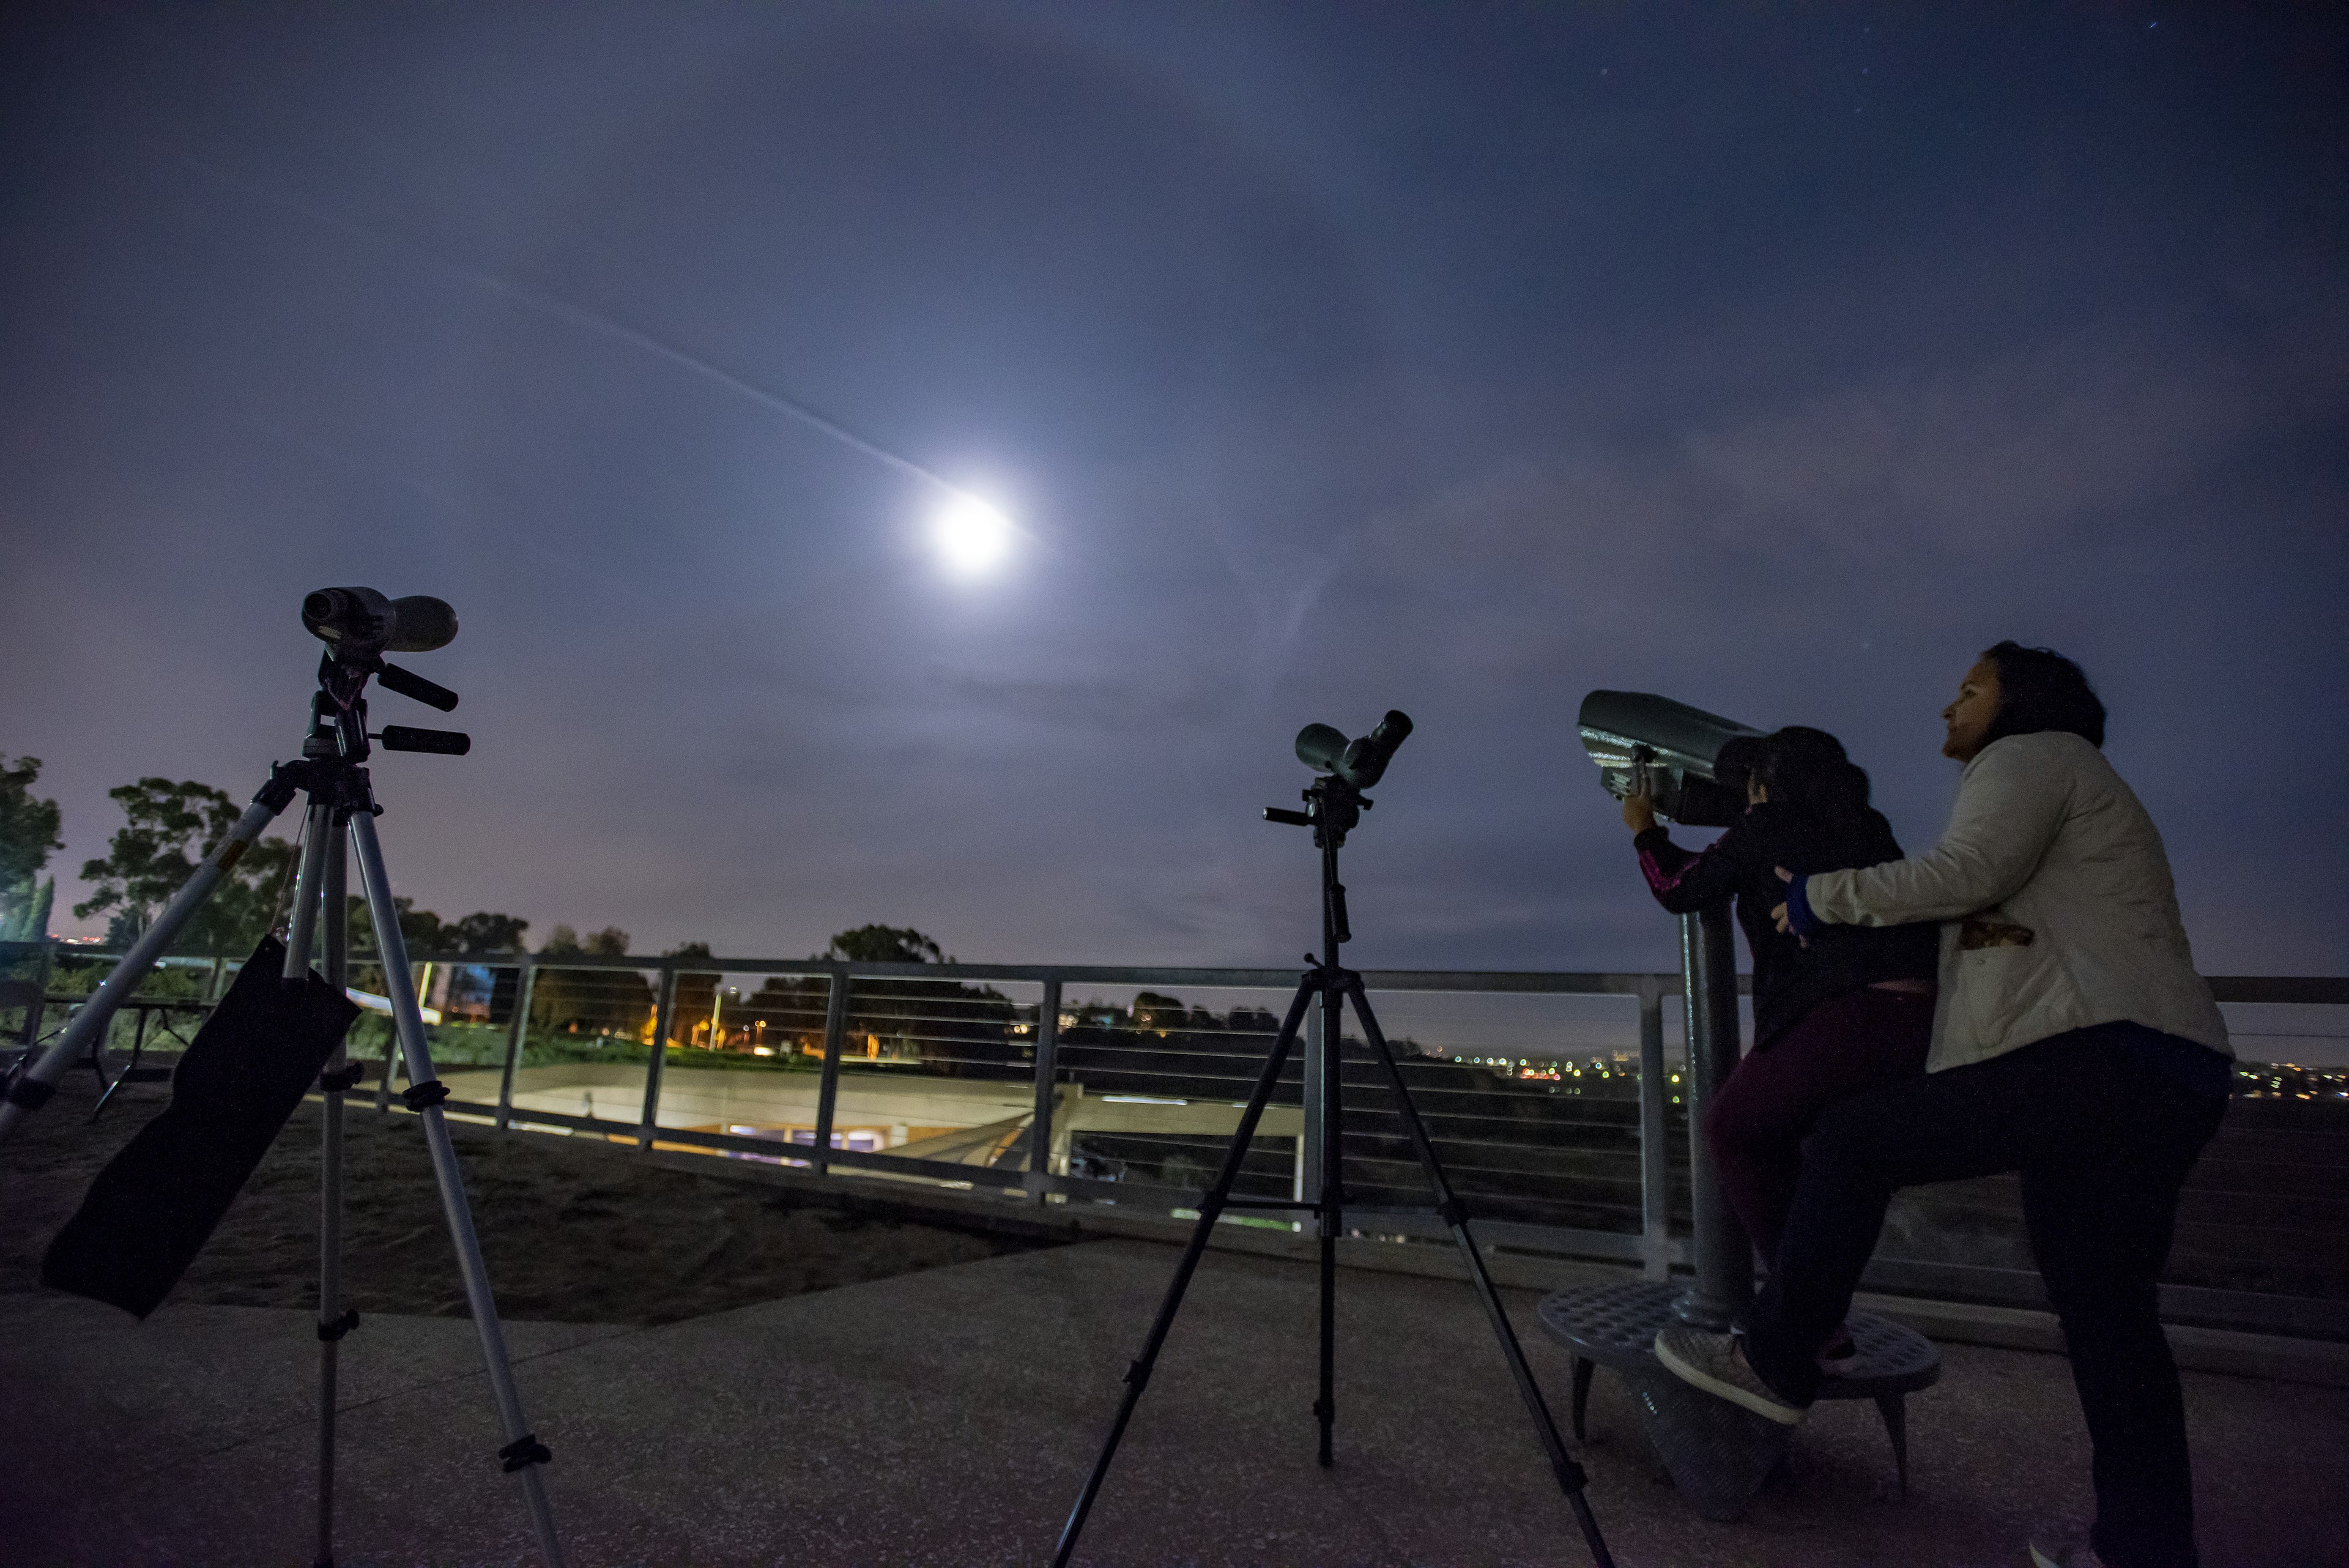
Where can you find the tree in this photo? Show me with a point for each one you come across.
(480, 932)
(597, 1001)
(954, 1029)
(484, 933)
(420, 930)
(609, 942)
(1152, 1010)
(695, 997)
(423, 931)
(28, 826)
(168, 829)
(28, 831)
(26, 918)
(883, 944)
(790, 1007)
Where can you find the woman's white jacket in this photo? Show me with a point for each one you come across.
(2060, 909)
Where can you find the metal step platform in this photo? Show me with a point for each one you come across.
(1720, 1456)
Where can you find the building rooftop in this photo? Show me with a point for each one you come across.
(949, 1417)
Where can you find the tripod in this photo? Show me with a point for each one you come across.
(341, 799)
(1333, 808)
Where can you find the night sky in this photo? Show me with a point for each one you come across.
(1328, 358)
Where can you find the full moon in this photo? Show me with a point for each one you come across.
(971, 534)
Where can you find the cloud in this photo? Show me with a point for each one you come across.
(1110, 706)
(2012, 450)
(2006, 450)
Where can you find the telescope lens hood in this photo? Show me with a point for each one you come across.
(1321, 747)
(421, 624)
(361, 619)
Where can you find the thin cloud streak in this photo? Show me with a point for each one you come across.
(574, 315)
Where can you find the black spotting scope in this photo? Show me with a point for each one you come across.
(1326, 750)
(361, 621)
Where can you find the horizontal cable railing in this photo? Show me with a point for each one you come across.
(1555, 1101)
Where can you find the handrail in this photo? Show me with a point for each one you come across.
(2299, 990)
(1651, 1244)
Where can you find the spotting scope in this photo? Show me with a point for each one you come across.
(1360, 763)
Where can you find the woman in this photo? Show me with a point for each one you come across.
(1845, 1011)
(2072, 1043)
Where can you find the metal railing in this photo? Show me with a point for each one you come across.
(998, 1077)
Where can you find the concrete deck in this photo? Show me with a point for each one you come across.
(949, 1417)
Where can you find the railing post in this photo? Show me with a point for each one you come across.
(517, 1034)
(835, 1040)
(1655, 1149)
(1040, 1129)
(1723, 1257)
(664, 1017)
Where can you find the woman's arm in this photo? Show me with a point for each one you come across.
(2012, 800)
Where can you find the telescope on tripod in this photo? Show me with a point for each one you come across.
(274, 1037)
(1334, 804)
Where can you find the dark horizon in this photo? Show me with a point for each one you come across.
(1325, 361)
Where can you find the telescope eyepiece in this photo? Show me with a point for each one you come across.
(363, 621)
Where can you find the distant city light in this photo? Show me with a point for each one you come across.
(971, 535)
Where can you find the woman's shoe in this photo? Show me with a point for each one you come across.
(1840, 1354)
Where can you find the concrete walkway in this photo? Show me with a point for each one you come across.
(949, 1417)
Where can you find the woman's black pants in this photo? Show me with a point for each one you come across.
(2102, 1138)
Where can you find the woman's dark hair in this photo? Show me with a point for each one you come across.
(1807, 769)
(2039, 689)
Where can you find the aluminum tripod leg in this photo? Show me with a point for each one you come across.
(1211, 1208)
(331, 888)
(302, 915)
(40, 1078)
(1570, 1478)
(521, 1453)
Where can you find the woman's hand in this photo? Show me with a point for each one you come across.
(1778, 916)
(1639, 812)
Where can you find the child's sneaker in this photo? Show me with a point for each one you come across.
(1716, 1363)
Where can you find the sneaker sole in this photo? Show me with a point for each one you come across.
(1744, 1398)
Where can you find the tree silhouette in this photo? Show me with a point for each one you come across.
(169, 827)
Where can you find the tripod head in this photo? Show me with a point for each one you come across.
(358, 626)
(1333, 808)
